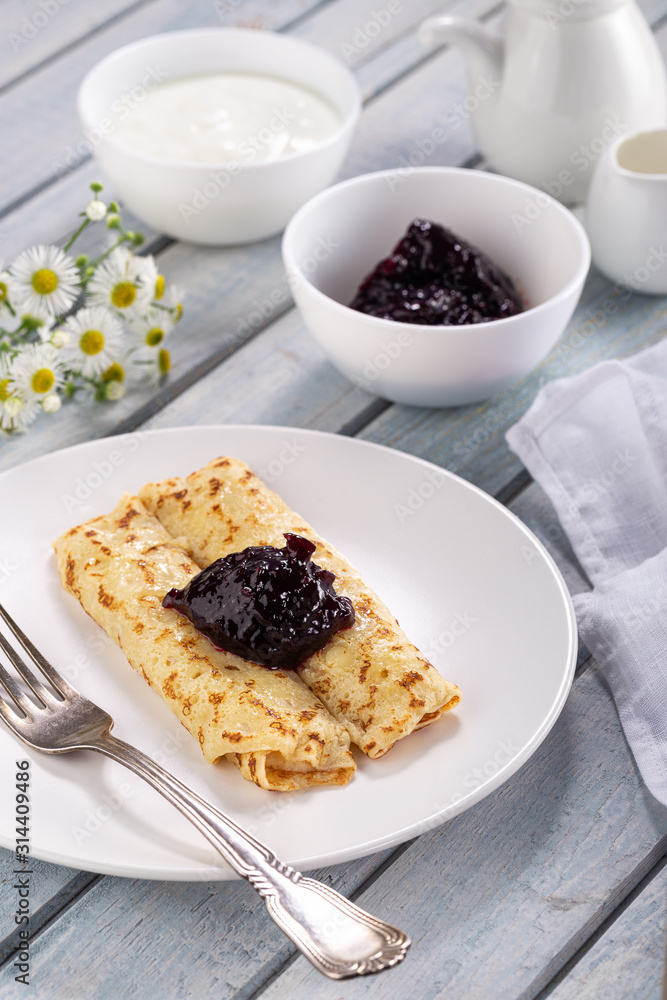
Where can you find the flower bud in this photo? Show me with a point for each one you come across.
(60, 338)
(96, 210)
(51, 403)
(114, 390)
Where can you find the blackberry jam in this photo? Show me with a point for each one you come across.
(272, 606)
(437, 279)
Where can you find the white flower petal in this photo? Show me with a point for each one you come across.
(96, 340)
(28, 376)
(43, 279)
(123, 282)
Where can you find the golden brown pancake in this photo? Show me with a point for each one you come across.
(266, 722)
(371, 678)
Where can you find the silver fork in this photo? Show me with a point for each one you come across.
(338, 937)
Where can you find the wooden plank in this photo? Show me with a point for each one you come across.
(45, 140)
(51, 888)
(106, 909)
(472, 431)
(293, 384)
(470, 440)
(51, 216)
(47, 216)
(155, 940)
(596, 808)
(499, 898)
(280, 377)
(629, 959)
(232, 292)
(32, 31)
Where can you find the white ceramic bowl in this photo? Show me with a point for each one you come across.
(215, 203)
(338, 237)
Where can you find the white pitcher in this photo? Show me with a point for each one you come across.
(568, 78)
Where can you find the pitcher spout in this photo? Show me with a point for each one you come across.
(483, 49)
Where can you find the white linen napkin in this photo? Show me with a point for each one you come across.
(597, 444)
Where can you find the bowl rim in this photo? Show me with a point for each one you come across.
(347, 122)
(380, 324)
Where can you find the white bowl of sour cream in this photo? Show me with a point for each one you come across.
(218, 135)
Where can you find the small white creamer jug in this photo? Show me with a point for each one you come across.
(626, 212)
(567, 78)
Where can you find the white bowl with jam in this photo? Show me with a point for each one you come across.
(218, 135)
(336, 240)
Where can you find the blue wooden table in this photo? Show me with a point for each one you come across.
(552, 886)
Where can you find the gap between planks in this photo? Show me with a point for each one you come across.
(606, 924)
(361, 888)
(401, 75)
(50, 911)
(72, 45)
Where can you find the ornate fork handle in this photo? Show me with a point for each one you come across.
(338, 937)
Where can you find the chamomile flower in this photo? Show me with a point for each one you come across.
(17, 413)
(5, 305)
(149, 273)
(173, 300)
(44, 279)
(123, 282)
(152, 328)
(96, 339)
(36, 372)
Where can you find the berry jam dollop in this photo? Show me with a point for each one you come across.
(435, 278)
(272, 606)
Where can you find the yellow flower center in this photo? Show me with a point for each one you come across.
(154, 336)
(114, 373)
(164, 361)
(44, 281)
(123, 294)
(92, 342)
(178, 311)
(159, 286)
(5, 391)
(42, 381)
(3, 291)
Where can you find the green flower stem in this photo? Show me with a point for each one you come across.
(92, 264)
(76, 234)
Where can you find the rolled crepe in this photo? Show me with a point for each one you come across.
(371, 678)
(266, 722)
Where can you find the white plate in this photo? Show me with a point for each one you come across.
(469, 582)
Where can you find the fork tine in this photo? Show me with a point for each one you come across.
(11, 718)
(21, 667)
(15, 692)
(59, 683)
